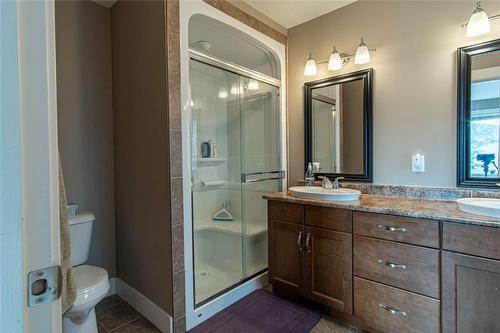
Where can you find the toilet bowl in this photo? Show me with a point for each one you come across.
(92, 282)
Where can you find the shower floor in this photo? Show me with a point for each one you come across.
(210, 280)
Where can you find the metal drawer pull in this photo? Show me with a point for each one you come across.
(392, 265)
(308, 239)
(391, 310)
(391, 229)
(299, 241)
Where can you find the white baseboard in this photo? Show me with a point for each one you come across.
(112, 286)
(152, 312)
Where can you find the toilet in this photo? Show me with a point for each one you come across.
(92, 282)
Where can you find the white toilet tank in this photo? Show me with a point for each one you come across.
(80, 235)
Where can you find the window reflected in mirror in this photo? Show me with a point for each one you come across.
(484, 115)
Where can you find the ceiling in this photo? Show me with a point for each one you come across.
(290, 13)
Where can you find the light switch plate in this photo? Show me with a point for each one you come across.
(418, 163)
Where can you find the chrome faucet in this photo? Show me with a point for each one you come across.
(336, 182)
(326, 183)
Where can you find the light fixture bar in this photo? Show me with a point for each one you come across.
(345, 58)
(491, 18)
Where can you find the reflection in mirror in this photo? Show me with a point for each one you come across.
(337, 127)
(484, 115)
(479, 115)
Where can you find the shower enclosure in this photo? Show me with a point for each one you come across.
(235, 159)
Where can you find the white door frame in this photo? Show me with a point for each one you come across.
(34, 127)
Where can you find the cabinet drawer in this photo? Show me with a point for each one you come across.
(397, 228)
(329, 218)
(286, 212)
(404, 266)
(472, 239)
(386, 309)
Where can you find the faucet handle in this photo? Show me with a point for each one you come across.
(336, 182)
(326, 182)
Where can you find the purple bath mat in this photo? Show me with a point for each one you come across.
(260, 312)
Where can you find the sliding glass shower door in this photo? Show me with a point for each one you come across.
(235, 160)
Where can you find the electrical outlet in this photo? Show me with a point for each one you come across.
(418, 162)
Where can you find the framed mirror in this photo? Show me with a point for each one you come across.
(338, 126)
(479, 115)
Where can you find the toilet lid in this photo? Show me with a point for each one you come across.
(91, 282)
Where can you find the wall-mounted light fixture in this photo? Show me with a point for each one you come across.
(310, 68)
(479, 22)
(337, 60)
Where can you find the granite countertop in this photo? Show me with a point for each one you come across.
(437, 210)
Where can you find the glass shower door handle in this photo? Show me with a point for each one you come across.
(247, 177)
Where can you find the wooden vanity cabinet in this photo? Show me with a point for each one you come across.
(311, 261)
(286, 257)
(470, 283)
(329, 268)
(410, 274)
(471, 294)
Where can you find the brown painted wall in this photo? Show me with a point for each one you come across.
(414, 80)
(141, 149)
(85, 118)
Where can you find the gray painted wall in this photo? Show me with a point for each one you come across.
(140, 108)
(414, 80)
(85, 118)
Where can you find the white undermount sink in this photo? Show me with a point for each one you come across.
(319, 193)
(480, 206)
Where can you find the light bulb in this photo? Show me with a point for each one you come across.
(223, 93)
(362, 54)
(253, 84)
(479, 23)
(335, 62)
(310, 68)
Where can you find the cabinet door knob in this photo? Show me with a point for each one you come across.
(391, 229)
(299, 241)
(308, 241)
(391, 310)
(392, 265)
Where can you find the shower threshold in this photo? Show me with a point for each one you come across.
(229, 288)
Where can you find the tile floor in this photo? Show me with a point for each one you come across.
(114, 315)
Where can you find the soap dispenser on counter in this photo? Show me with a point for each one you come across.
(309, 176)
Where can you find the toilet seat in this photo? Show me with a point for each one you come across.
(92, 284)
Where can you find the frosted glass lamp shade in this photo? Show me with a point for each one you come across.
(362, 54)
(479, 24)
(310, 68)
(335, 62)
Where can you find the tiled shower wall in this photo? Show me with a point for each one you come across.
(175, 142)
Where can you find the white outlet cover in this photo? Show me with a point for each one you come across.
(416, 165)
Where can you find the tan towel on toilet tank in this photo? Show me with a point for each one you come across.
(68, 288)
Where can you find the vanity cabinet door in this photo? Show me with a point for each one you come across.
(470, 294)
(329, 268)
(286, 257)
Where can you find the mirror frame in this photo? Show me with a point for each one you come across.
(464, 57)
(367, 76)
